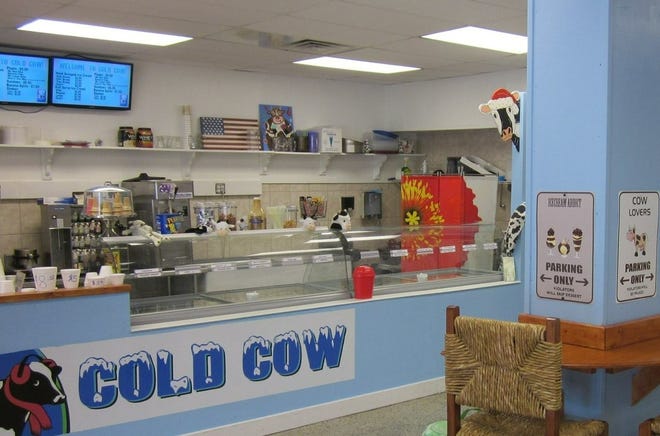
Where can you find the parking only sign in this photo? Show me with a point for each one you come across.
(638, 239)
(564, 246)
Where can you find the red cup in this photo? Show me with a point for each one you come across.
(363, 282)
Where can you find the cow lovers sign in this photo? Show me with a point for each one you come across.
(98, 384)
(637, 261)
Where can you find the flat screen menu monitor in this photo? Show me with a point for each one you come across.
(23, 79)
(91, 83)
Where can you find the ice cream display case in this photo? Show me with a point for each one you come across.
(242, 272)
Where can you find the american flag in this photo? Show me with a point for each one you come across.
(229, 133)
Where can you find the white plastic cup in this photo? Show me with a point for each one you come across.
(116, 279)
(6, 286)
(70, 277)
(105, 270)
(45, 278)
(99, 281)
(89, 277)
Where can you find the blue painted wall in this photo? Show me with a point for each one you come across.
(398, 342)
(592, 127)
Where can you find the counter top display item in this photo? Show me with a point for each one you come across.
(229, 133)
(277, 132)
(313, 207)
(108, 201)
(189, 277)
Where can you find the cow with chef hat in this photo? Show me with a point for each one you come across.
(504, 106)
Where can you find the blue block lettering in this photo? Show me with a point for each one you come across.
(92, 372)
(287, 353)
(137, 377)
(167, 385)
(209, 369)
(256, 368)
(327, 348)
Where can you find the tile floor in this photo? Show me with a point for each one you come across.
(409, 418)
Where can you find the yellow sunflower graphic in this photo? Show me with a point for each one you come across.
(418, 205)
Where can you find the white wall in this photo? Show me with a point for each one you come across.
(160, 90)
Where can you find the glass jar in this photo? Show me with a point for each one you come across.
(126, 137)
(145, 137)
(227, 213)
(291, 217)
(108, 201)
(256, 217)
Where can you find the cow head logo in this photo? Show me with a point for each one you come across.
(32, 384)
(504, 107)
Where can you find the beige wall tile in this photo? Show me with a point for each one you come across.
(8, 243)
(30, 216)
(10, 220)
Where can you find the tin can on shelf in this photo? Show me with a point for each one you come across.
(145, 137)
(126, 137)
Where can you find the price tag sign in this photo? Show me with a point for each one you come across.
(448, 249)
(188, 269)
(260, 263)
(399, 253)
(424, 251)
(371, 254)
(469, 247)
(322, 258)
(149, 272)
(490, 246)
(223, 266)
(295, 260)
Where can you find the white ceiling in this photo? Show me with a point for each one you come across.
(256, 35)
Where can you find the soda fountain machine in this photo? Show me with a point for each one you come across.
(161, 203)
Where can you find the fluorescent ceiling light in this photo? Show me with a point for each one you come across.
(483, 38)
(352, 65)
(100, 32)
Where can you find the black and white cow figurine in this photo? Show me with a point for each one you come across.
(31, 385)
(514, 229)
(504, 106)
(341, 221)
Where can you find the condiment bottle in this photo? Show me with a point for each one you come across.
(405, 169)
(256, 217)
(126, 137)
(145, 137)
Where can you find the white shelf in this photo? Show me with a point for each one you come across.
(269, 166)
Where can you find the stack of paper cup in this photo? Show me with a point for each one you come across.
(45, 278)
(15, 135)
(7, 284)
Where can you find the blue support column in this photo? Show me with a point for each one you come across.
(592, 126)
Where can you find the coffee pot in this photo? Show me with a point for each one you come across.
(25, 258)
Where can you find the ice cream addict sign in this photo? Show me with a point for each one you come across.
(149, 375)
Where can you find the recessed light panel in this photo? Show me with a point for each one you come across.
(101, 32)
(353, 65)
(483, 38)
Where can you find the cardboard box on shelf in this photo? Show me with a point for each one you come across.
(329, 139)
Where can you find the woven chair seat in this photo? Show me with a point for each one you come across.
(497, 424)
(511, 373)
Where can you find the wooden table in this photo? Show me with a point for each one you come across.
(629, 345)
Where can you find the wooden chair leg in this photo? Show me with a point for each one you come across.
(453, 409)
(453, 415)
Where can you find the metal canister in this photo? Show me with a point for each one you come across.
(145, 137)
(126, 137)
